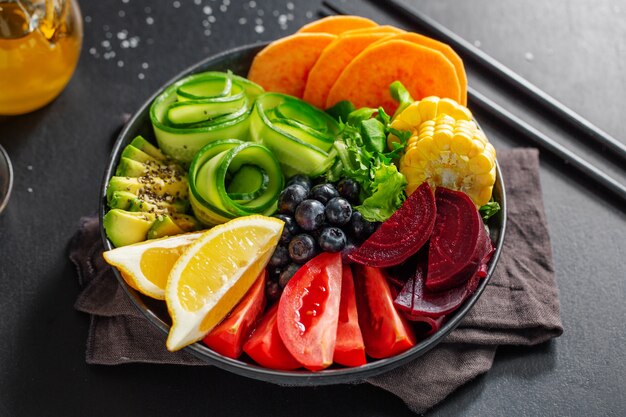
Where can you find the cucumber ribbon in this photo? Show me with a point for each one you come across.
(230, 178)
(300, 135)
(202, 108)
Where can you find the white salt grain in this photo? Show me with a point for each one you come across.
(141, 76)
(149, 20)
(477, 43)
(259, 29)
(87, 19)
(121, 13)
(242, 20)
(207, 10)
(290, 6)
(529, 56)
(176, 4)
(120, 63)
(145, 65)
(252, 4)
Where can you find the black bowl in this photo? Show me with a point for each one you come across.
(238, 60)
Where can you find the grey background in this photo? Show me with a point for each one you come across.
(575, 50)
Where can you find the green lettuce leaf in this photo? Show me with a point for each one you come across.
(386, 194)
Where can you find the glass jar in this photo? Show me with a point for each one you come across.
(40, 43)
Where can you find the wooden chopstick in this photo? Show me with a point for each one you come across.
(525, 129)
(503, 73)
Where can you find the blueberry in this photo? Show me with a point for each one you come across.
(302, 248)
(310, 214)
(290, 197)
(332, 239)
(290, 229)
(338, 211)
(280, 257)
(273, 290)
(273, 274)
(360, 228)
(347, 250)
(287, 273)
(349, 189)
(324, 192)
(302, 180)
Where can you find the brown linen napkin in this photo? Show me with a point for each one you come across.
(520, 305)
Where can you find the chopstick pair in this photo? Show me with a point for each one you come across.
(496, 69)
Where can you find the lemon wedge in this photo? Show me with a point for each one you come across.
(214, 273)
(145, 266)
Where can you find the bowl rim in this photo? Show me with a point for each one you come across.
(5, 194)
(298, 377)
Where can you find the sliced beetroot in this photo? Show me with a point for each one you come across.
(424, 325)
(458, 244)
(403, 234)
(416, 301)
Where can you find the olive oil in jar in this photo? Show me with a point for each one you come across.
(39, 47)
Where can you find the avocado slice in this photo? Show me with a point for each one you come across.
(186, 222)
(154, 187)
(125, 228)
(121, 200)
(131, 168)
(143, 145)
(151, 206)
(164, 226)
(138, 155)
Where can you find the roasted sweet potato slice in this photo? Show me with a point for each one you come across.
(283, 66)
(445, 49)
(373, 29)
(332, 62)
(423, 71)
(337, 24)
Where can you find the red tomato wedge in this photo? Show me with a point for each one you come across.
(228, 337)
(308, 311)
(385, 332)
(349, 349)
(265, 346)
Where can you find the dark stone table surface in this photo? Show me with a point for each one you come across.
(575, 50)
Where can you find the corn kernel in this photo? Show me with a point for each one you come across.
(461, 143)
(401, 125)
(484, 196)
(480, 164)
(428, 107)
(461, 113)
(442, 138)
(446, 106)
(425, 148)
(411, 114)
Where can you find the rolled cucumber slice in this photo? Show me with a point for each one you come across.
(248, 183)
(300, 135)
(200, 109)
(232, 178)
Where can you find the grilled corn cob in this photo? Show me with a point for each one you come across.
(446, 148)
